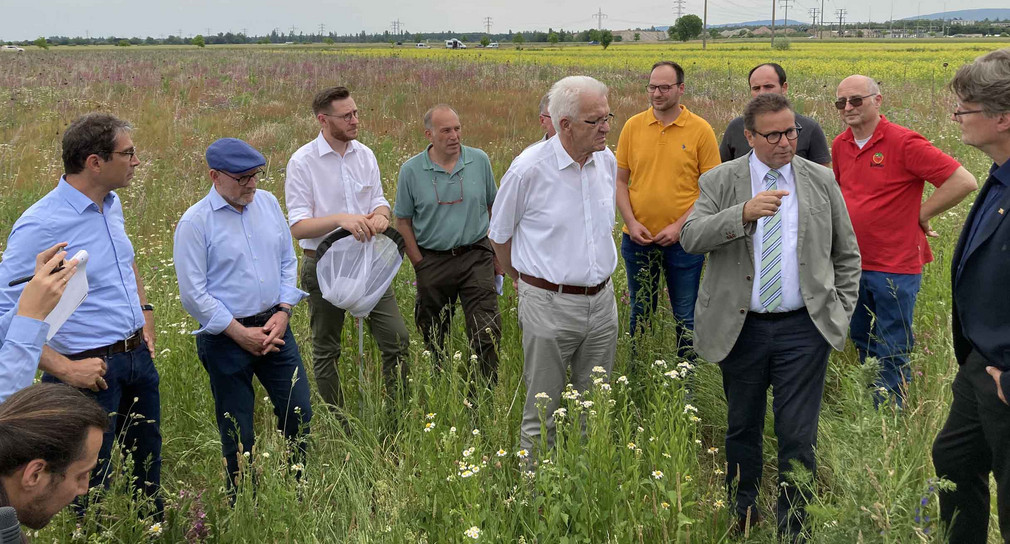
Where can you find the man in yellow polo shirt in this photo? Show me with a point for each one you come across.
(660, 156)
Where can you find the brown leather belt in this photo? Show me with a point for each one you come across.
(129, 344)
(311, 253)
(566, 289)
(259, 319)
(458, 250)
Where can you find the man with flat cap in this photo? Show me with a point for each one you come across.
(236, 269)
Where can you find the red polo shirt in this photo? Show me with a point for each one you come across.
(882, 184)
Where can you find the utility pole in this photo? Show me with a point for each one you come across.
(600, 16)
(813, 16)
(679, 6)
(396, 27)
(322, 29)
(704, 32)
(773, 23)
(785, 4)
(821, 29)
(487, 24)
(841, 17)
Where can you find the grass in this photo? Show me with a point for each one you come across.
(399, 476)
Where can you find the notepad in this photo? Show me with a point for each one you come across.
(73, 296)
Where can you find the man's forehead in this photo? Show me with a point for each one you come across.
(763, 76)
(444, 118)
(663, 72)
(775, 120)
(853, 87)
(343, 104)
(123, 139)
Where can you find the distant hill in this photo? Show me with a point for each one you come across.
(967, 14)
(766, 22)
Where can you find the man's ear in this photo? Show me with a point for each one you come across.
(1003, 122)
(750, 137)
(93, 163)
(35, 474)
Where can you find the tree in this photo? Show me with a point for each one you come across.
(686, 28)
(638, 37)
(518, 39)
(123, 43)
(328, 41)
(199, 41)
(485, 41)
(606, 38)
(41, 42)
(553, 38)
(714, 33)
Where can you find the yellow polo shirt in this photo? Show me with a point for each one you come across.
(665, 164)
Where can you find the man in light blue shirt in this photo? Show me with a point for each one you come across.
(237, 269)
(106, 345)
(23, 329)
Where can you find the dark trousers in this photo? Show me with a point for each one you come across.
(974, 441)
(787, 352)
(881, 327)
(384, 322)
(134, 404)
(231, 370)
(469, 277)
(682, 270)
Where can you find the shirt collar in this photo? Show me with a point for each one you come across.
(464, 159)
(323, 147)
(878, 132)
(78, 200)
(564, 159)
(680, 121)
(218, 202)
(1001, 174)
(762, 169)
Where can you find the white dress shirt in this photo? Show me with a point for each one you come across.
(792, 298)
(319, 182)
(560, 217)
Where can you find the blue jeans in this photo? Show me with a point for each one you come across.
(130, 375)
(881, 327)
(682, 270)
(231, 371)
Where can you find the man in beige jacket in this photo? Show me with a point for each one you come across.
(780, 287)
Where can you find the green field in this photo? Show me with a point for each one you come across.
(650, 468)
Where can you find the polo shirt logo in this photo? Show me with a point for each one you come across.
(877, 160)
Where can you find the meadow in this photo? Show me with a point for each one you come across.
(430, 466)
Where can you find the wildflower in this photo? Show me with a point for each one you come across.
(713, 451)
(430, 416)
(667, 455)
(690, 408)
(155, 529)
(297, 467)
(605, 387)
(426, 354)
(542, 396)
(719, 472)
(718, 504)
(473, 357)
(466, 474)
(623, 380)
(665, 505)
(672, 374)
(688, 478)
(560, 413)
(458, 356)
(522, 454)
(467, 452)
(475, 432)
(452, 431)
(429, 426)
(266, 455)
(684, 366)
(640, 429)
(660, 363)
(587, 404)
(631, 445)
(657, 474)
(472, 532)
(695, 419)
(598, 370)
(597, 381)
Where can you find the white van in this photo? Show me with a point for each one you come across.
(421, 45)
(492, 45)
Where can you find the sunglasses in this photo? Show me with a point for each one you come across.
(856, 101)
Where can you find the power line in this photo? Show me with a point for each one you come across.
(487, 24)
(785, 4)
(679, 6)
(396, 27)
(600, 16)
(841, 17)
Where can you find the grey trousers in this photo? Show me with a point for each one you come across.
(560, 332)
(327, 321)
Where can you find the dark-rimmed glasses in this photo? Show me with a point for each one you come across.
(346, 117)
(790, 133)
(605, 119)
(434, 184)
(958, 113)
(132, 152)
(663, 89)
(856, 101)
(243, 180)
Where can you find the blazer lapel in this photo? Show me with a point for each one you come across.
(802, 204)
(959, 249)
(989, 224)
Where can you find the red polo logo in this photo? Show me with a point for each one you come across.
(878, 158)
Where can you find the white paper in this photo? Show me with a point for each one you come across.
(499, 283)
(73, 296)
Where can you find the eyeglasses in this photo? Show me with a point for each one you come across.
(132, 152)
(459, 176)
(605, 119)
(856, 101)
(243, 180)
(957, 114)
(790, 133)
(545, 115)
(663, 89)
(346, 117)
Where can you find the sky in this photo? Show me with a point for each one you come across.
(29, 19)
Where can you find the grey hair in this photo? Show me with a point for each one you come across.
(565, 97)
(544, 103)
(763, 103)
(431, 111)
(986, 81)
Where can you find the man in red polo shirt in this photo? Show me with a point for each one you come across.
(881, 168)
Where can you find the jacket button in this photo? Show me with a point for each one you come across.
(743, 311)
(748, 278)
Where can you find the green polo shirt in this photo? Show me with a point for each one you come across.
(444, 226)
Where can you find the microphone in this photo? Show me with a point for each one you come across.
(10, 529)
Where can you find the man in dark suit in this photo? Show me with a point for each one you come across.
(777, 296)
(975, 440)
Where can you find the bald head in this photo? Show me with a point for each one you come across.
(437, 108)
(860, 83)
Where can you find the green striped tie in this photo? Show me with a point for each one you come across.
(770, 294)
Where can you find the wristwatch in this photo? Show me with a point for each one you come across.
(147, 307)
(285, 310)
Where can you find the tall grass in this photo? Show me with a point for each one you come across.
(433, 465)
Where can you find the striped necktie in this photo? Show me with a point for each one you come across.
(771, 252)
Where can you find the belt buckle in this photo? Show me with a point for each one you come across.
(125, 343)
(456, 251)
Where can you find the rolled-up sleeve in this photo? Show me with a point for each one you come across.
(297, 192)
(375, 179)
(505, 212)
(190, 256)
(19, 356)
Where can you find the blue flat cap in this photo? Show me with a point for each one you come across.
(233, 155)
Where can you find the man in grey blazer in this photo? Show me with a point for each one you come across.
(780, 287)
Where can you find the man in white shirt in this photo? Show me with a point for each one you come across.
(552, 229)
(333, 181)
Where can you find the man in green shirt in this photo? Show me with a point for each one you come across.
(443, 208)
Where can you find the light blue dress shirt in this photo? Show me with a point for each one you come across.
(23, 338)
(234, 264)
(111, 312)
